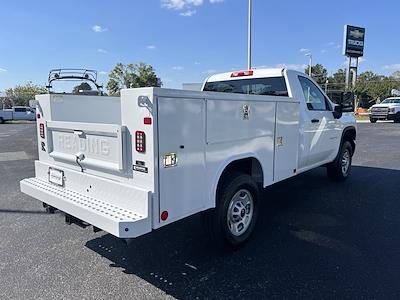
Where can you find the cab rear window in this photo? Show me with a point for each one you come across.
(254, 86)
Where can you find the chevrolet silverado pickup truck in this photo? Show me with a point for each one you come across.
(132, 164)
(388, 109)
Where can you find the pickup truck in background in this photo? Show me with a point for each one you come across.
(17, 113)
(154, 156)
(388, 109)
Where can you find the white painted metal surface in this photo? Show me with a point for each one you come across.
(286, 140)
(81, 108)
(185, 137)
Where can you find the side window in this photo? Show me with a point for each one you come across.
(19, 109)
(315, 100)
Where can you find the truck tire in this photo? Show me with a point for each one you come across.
(372, 120)
(340, 168)
(233, 220)
(397, 118)
(1, 120)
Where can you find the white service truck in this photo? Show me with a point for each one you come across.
(131, 164)
(17, 113)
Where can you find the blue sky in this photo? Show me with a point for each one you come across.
(186, 40)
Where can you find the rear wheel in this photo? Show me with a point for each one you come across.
(233, 220)
(340, 168)
(1, 120)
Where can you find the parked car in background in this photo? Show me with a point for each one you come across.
(17, 113)
(388, 109)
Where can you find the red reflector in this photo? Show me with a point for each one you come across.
(164, 215)
(147, 121)
(41, 126)
(140, 141)
(242, 73)
(38, 116)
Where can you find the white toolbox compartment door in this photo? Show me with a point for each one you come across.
(181, 132)
(286, 140)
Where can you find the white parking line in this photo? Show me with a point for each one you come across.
(13, 156)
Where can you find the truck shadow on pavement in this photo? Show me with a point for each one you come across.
(314, 239)
(18, 211)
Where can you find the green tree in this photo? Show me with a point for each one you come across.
(131, 76)
(338, 80)
(21, 94)
(371, 87)
(84, 86)
(319, 73)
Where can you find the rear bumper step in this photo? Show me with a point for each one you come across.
(116, 220)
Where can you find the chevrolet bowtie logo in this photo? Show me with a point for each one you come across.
(357, 34)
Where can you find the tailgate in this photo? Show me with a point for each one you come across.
(98, 146)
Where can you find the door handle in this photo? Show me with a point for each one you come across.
(314, 121)
(79, 133)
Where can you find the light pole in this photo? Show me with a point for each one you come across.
(309, 55)
(249, 39)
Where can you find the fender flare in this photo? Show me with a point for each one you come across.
(222, 167)
(346, 129)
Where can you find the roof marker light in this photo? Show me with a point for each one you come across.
(242, 73)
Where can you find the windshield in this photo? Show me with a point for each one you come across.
(255, 86)
(397, 101)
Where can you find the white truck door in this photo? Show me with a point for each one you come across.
(181, 138)
(319, 138)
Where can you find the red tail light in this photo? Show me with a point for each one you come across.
(140, 141)
(41, 126)
(242, 73)
(147, 121)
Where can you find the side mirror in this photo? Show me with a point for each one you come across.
(347, 102)
(337, 111)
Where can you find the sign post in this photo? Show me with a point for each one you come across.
(249, 38)
(353, 47)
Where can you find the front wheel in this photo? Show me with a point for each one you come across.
(1, 120)
(397, 118)
(372, 120)
(339, 169)
(233, 220)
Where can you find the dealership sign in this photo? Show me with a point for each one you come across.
(353, 43)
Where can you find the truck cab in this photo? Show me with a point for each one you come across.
(320, 126)
(23, 113)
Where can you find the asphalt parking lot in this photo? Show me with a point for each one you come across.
(315, 239)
